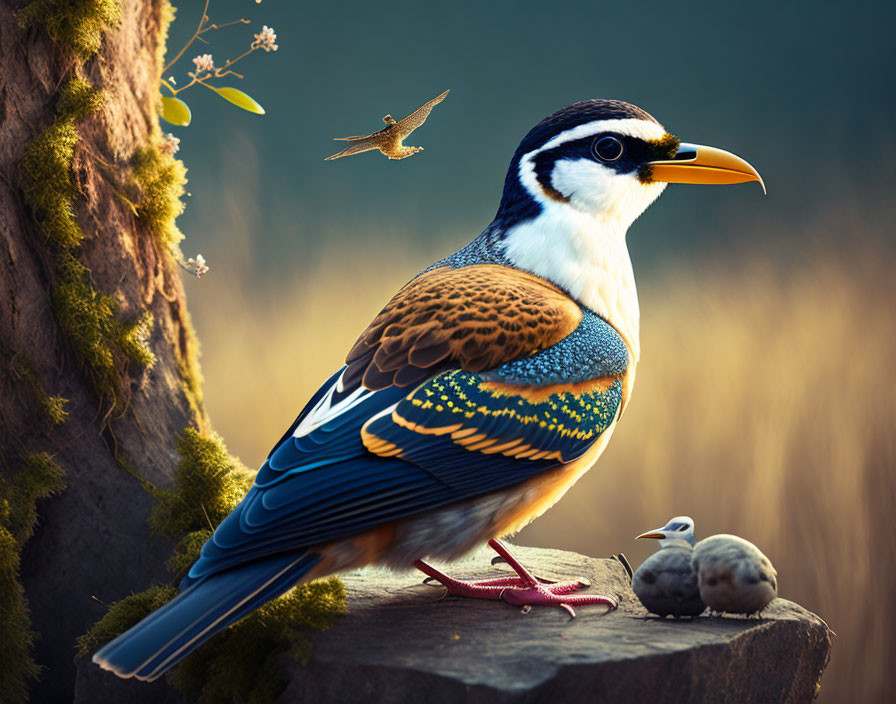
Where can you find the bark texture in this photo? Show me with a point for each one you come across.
(113, 447)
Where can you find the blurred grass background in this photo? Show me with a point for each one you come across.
(765, 403)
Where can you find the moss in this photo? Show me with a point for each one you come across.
(161, 178)
(79, 99)
(186, 552)
(39, 477)
(102, 343)
(133, 340)
(241, 663)
(89, 319)
(48, 187)
(17, 668)
(124, 614)
(76, 25)
(46, 164)
(166, 17)
(208, 485)
(189, 369)
(52, 406)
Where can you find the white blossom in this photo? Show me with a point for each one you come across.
(198, 265)
(169, 144)
(265, 39)
(204, 63)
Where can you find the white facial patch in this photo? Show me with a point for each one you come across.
(602, 192)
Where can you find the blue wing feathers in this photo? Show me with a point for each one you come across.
(325, 485)
(158, 642)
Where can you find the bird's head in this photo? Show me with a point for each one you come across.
(609, 160)
(575, 184)
(677, 531)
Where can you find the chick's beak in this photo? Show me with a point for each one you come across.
(652, 534)
(695, 163)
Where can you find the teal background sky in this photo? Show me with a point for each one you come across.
(804, 91)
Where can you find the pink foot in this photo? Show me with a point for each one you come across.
(525, 590)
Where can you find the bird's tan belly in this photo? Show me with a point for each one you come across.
(450, 532)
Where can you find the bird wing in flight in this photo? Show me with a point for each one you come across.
(359, 146)
(357, 458)
(357, 139)
(418, 117)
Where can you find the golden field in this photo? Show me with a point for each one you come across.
(764, 406)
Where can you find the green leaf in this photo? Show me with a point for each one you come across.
(240, 99)
(176, 111)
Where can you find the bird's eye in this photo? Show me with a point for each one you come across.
(607, 148)
(682, 527)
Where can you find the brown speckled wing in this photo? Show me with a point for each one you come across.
(418, 117)
(476, 318)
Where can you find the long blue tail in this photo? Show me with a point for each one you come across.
(167, 635)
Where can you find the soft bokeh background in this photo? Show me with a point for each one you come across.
(766, 396)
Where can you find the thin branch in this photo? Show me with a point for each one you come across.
(226, 24)
(195, 34)
(230, 73)
(231, 62)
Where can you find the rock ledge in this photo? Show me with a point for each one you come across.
(399, 643)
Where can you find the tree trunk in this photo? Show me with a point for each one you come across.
(123, 416)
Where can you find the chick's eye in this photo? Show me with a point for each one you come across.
(607, 148)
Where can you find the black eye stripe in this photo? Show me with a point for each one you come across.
(635, 152)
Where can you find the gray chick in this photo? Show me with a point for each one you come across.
(733, 575)
(666, 583)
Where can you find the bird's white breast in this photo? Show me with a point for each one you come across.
(587, 258)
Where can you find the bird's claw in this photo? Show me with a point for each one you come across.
(524, 590)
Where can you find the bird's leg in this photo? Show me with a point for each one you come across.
(523, 590)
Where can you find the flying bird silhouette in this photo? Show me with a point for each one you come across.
(389, 139)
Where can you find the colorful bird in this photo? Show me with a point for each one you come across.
(666, 583)
(389, 140)
(733, 575)
(475, 399)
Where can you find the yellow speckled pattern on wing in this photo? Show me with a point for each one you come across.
(457, 413)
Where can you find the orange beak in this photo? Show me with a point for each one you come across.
(695, 163)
